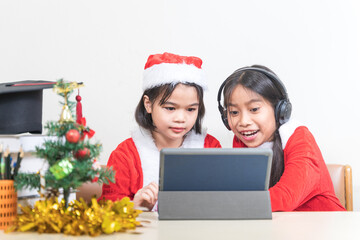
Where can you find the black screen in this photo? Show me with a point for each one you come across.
(214, 172)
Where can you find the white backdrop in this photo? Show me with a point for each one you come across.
(313, 46)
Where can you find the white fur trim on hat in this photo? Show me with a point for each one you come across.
(165, 73)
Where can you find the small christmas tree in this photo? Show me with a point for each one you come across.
(70, 156)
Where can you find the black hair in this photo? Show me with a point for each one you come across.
(262, 85)
(144, 119)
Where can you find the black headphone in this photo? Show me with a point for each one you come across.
(282, 108)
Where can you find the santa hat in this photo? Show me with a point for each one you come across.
(167, 68)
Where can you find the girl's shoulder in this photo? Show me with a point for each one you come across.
(211, 142)
(143, 140)
(291, 129)
(126, 143)
(125, 147)
(294, 133)
(125, 154)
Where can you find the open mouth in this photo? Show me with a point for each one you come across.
(249, 133)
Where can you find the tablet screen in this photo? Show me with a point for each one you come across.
(215, 169)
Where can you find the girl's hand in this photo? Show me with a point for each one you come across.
(147, 196)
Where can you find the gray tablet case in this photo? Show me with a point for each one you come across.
(214, 183)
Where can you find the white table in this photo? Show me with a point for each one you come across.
(284, 225)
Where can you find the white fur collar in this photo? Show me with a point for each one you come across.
(150, 155)
(266, 145)
(287, 129)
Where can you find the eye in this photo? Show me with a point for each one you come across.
(170, 108)
(233, 113)
(191, 109)
(254, 109)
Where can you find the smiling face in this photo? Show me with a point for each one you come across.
(251, 117)
(174, 118)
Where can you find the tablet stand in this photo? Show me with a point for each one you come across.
(211, 205)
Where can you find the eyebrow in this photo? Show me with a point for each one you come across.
(248, 102)
(174, 104)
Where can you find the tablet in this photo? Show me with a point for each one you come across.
(215, 169)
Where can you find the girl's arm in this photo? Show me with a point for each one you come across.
(125, 162)
(301, 178)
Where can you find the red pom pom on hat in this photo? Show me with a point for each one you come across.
(168, 68)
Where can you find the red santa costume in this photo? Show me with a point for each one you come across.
(305, 184)
(136, 160)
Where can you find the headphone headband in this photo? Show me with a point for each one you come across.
(282, 109)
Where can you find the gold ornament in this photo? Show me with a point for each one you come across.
(79, 218)
(66, 114)
(64, 88)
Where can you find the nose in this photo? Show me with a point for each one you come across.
(244, 120)
(179, 116)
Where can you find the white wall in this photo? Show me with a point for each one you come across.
(314, 47)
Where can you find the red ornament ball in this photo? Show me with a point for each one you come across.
(82, 153)
(72, 136)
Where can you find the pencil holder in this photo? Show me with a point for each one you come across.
(8, 203)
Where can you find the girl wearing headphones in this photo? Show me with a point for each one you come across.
(169, 115)
(257, 109)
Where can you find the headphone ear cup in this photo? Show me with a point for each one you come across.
(287, 111)
(225, 119)
(283, 111)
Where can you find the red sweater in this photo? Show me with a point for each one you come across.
(125, 160)
(305, 184)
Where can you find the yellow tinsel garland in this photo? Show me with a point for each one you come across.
(79, 218)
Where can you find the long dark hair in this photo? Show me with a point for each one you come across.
(144, 119)
(262, 85)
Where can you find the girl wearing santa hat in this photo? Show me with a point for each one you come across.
(257, 109)
(169, 115)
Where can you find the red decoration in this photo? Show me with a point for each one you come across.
(87, 131)
(72, 136)
(82, 153)
(95, 179)
(78, 108)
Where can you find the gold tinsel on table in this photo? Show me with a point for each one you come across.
(79, 218)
